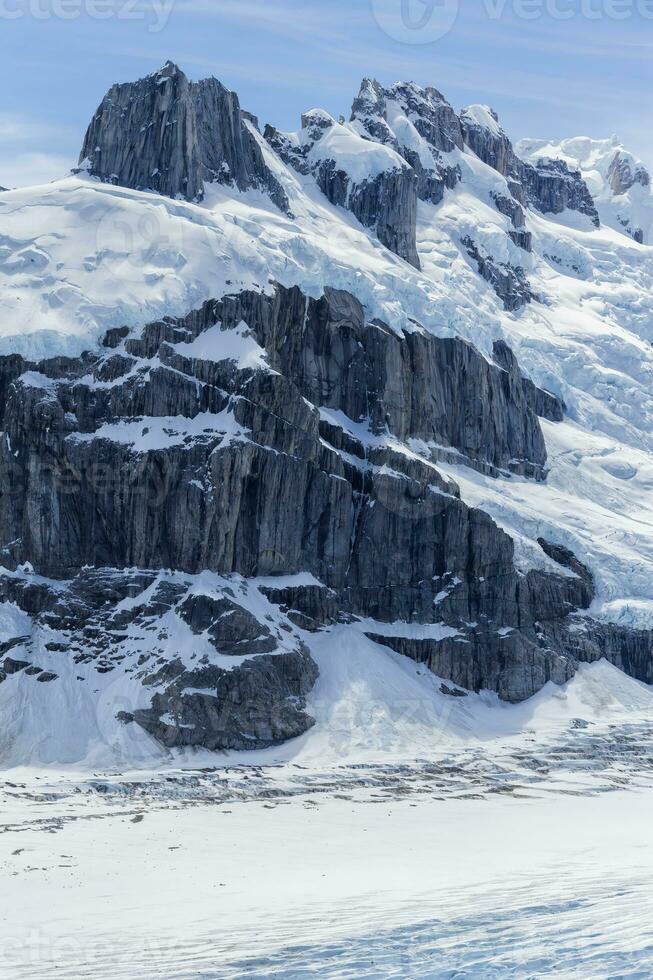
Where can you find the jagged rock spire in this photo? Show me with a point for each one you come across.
(167, 134)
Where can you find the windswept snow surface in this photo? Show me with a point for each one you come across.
(514, 844)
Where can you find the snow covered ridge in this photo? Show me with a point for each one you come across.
(619, 183)
(445, 455)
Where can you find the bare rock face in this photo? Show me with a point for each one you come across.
(550, 187)
(319, 469)
(419, 124)
(543, 403)
(513, 210)
(622, 174)
(167, 134)
(380, 189)
(483, 134)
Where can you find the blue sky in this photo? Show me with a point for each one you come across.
(551, 68)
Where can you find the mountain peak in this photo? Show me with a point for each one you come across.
(167, 70)
(174, 138)
(483, 116)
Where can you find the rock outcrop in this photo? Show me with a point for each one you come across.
(550, 186)
(419, 124)
(624, 173)
(508, 281)
(217, 677)
(374, 183)
(167, 134)
(289, 491)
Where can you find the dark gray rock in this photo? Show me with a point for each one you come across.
(550, 186)
(252, 706)
(543, 403)
(233, 630)
(508, 281)
(513, 210)
(433, 118)
(511, 665)
(563, 556)
(12, 666)
(255, 702)
(385, 202)
(311, 607)
(167, 134)
(325, 463)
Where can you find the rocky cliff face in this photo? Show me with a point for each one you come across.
(550, 186)
(280, 453)
(402, 144)
(377, 186)
(167, 134)
(419, 124)
(624, 173)
(184, 507)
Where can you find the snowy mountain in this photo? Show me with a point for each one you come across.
(619, 183)
(379, 386)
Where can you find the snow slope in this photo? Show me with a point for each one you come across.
(527, 856)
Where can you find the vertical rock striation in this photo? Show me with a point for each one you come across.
(167, 134)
